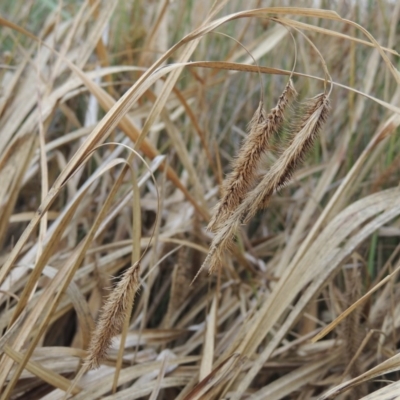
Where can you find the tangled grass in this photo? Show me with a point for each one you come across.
(119, 122)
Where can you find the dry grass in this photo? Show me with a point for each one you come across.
(119, 122)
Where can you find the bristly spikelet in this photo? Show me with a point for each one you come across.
(308, 128)
(261, 128)
(113, 316)
(305, 133)
(222, 241)
(352, 329)
(314, 113)
(234, 186)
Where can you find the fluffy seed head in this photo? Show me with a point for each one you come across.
(305, 133)
(308, 128)
(261, 128)
(112, 316)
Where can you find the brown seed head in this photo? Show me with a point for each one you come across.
(113, 316)
(261, 128)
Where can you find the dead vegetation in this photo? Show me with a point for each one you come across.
(123, 137)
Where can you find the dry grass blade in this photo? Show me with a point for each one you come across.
(11, 175)
(353, 332)
(296, 379)
(390, 365)
(304, 26)
(261, 128)
(216, 378)
(232, 66)
(113, 316)
(389, 392)
(354, 306)
(209, 341)
(44, 373)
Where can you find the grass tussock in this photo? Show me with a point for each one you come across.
(128, 166)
